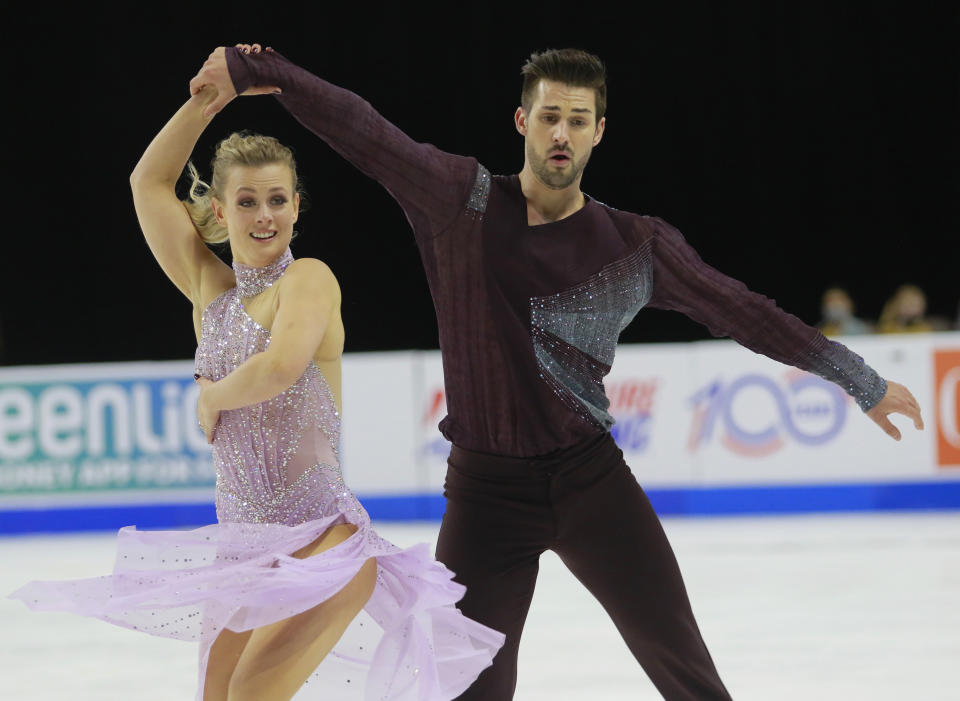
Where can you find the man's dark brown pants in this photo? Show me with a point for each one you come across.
(584, 504)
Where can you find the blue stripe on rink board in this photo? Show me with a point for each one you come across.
(105, 517)
(691, 501)
(797, 499)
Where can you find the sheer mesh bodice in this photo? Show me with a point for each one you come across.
(276, 461)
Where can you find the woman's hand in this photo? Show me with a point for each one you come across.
(214, 72)
(206, 415)
(897, 400)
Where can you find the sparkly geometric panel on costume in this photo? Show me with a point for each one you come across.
(840, 365)
(477, 203)
(575, 332)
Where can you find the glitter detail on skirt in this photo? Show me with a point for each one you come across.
(279, 488)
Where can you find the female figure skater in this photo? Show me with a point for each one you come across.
(275, 587)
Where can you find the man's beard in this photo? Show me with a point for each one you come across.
(555, 180)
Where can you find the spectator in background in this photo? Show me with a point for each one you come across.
(905, 312)
(838, 319)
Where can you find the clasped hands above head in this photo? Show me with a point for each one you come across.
(215, 74)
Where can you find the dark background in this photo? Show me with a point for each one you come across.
(797, 145)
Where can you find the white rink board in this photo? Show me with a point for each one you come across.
(377, 446)
(648, 430)
(768, 423)
(689, 416)
(764, 423)
(431, 447)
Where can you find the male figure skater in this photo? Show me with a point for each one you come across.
(533, 282)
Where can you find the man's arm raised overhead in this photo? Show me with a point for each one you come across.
(431, 185)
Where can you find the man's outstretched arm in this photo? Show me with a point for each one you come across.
(684, 283)
(432, 186)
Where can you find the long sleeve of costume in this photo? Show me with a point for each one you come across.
(431, 185)
(684, 283)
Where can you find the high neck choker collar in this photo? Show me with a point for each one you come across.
(252, 281)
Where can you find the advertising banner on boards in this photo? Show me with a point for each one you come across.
(645, 387)
(753, 420)
(75, 430)
(713, 426)
(946, 405)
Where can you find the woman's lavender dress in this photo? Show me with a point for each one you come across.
(279, 487)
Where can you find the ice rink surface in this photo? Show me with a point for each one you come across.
(858, 607)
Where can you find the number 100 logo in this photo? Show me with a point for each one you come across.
(756, 416)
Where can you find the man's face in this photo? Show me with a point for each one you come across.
(561, 130)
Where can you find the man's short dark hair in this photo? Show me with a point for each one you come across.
(569, 66)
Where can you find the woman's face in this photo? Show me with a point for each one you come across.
(259, 208)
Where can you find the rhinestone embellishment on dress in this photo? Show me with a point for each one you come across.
(252, 281)
(276, 461)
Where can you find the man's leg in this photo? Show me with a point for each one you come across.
(492, 535)
(612, 541)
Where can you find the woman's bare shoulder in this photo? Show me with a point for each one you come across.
(313, 273)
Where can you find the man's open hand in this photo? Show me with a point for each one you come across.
(897, 400)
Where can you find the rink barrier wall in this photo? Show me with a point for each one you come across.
(717, 501)
(708, 429)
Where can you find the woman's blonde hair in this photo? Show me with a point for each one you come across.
(238, 149)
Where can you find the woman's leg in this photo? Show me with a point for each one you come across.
(224, 655)
(274, 661)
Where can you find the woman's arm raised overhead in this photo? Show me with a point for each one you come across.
(170, 232)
